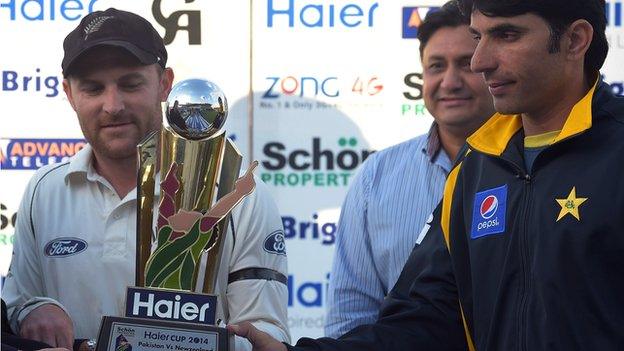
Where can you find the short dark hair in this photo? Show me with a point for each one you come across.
(558, 14)
(449, 15)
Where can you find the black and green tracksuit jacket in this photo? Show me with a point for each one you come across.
(517, 259)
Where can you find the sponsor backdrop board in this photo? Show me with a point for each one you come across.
(328, 82)
(313, 86)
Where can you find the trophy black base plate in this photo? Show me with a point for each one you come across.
(137, 334)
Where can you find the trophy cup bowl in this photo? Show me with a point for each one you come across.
(196, 109)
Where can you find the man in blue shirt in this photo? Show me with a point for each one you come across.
(398, 188)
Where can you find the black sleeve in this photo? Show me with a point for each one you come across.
(5, 321)
(420, 313)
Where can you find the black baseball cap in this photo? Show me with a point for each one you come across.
(116, 28)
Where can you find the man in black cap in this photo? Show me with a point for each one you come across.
(74, 251)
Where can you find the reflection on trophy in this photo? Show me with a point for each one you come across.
(180, 228)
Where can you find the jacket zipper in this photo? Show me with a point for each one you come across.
(523, 248)
(523, 244)
(524, 255)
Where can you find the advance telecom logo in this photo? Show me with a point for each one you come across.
(31, 154)
(413, 17)
(489, 212)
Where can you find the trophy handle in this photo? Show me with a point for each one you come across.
(206, 274)
(148, 161)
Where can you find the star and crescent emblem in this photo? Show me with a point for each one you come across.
(570, 205)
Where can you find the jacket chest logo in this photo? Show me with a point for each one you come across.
(63, 247)
(570, 205)
(489, 211)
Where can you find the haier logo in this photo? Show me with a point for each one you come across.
(171, 305)
(315, 166)
(14, 81)
(309, 229)
(307, 293)
(46, 10)
(615, 12)
(412, 19)
(18, 154)
(489, 212)
(310, 14)
(174, 23)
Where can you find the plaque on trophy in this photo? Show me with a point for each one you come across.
(181, 227)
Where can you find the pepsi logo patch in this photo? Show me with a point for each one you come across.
(489, 206)
(275, 243)
(63, 247)
(489, 209)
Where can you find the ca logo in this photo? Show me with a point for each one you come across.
(172, 23)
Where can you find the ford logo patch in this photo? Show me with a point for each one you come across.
(63, 247)
(274, 243)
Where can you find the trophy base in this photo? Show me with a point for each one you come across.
(137, 334)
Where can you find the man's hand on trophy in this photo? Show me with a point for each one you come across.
(260, 341)
(49, 324)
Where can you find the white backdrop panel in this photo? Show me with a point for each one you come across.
(313, 87)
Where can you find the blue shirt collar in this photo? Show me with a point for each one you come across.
(434, 151)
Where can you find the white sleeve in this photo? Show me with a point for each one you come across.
(23, 290)
(259, 295)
